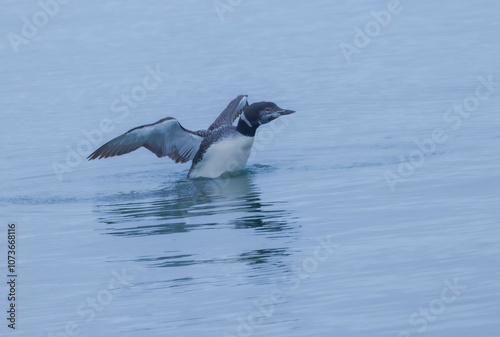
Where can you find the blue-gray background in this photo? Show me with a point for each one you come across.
(201, 258)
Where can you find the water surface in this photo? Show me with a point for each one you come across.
(310, 239)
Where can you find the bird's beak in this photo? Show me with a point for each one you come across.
(285, 112)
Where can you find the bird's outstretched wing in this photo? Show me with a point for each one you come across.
(164, 138)
(231, 112)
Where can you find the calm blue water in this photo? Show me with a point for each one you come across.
(372, 211)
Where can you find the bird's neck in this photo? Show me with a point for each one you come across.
(246, 130)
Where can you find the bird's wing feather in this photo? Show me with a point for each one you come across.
(164, 138)
(231, 112)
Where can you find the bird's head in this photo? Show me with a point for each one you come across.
(260, 113)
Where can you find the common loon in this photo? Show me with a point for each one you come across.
(219, 149)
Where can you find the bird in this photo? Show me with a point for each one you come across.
(221, 148)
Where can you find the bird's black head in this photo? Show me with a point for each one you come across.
(257, 114)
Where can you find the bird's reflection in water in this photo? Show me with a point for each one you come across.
(253, 258)
(193, 204)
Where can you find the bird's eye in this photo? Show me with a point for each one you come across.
(268, 109)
